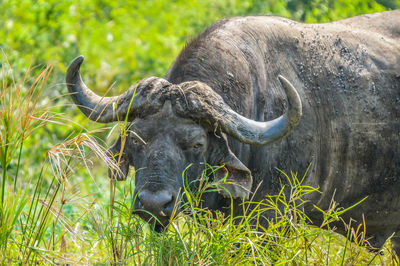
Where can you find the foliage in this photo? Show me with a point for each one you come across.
(124, 41)
(21, 116)
(111, 234)
(32, 204)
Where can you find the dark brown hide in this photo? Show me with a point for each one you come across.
(347, 74)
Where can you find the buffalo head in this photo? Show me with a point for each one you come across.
(173, 126)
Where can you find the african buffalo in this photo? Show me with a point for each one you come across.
(223, 102)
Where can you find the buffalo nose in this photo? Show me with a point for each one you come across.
(160, 203)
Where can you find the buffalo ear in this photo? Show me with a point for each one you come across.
(120, 160)
(235, 176)
(236, 179)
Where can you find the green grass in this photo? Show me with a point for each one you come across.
(49, 215)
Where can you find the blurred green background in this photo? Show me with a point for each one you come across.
(124, 41)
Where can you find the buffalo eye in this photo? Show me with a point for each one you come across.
(191, 147)
(197, 146)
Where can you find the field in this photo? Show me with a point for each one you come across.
(57, 205)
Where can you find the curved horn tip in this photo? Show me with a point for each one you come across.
(79, 59)
(282, 79)
(295, 108)
(290, 90)
(77, 62)
(73, 69)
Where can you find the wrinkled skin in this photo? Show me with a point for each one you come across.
(347, 74)
(171, 144)
(162, 146)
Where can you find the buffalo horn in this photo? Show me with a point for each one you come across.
(95, 107)
(109, 109)
(262, 133)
